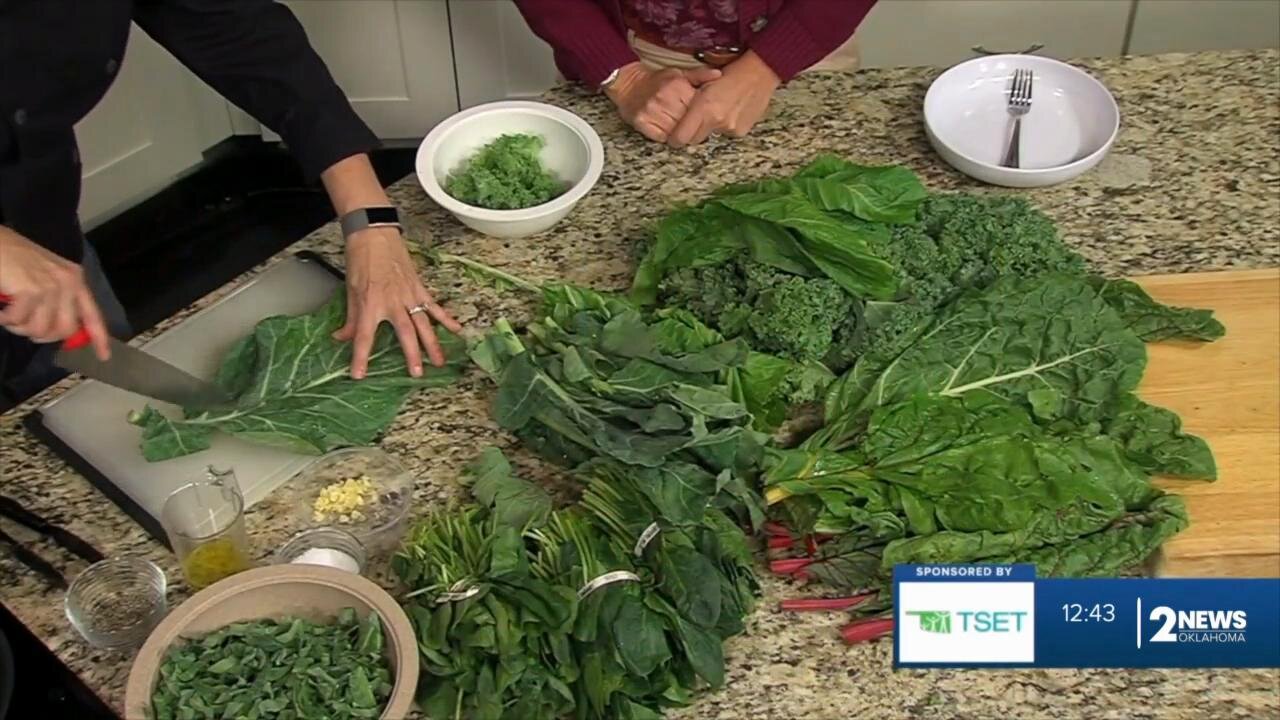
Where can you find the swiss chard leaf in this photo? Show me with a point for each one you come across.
(1049, 343)
(1151, 320)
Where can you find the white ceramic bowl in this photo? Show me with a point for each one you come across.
(572, 152)
(1072, 123)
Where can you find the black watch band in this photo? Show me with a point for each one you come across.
(358, 220)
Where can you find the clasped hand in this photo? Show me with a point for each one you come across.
(684, 107)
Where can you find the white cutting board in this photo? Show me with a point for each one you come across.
(90, 417)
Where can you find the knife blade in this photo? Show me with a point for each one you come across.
(135, 370)
(13, 510)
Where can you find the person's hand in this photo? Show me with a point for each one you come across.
(49, 298)
(731, 105)
(654, 101)
(382, 286)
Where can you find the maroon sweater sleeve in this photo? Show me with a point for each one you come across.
(805, 31)
(587, 43)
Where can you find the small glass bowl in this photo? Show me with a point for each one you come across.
(323, 538)
(383, 521)
(116, 603)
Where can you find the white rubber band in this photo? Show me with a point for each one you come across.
(607, 579)
(645, 538)
(459, 591)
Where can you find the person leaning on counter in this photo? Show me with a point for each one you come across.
(681, 70)
(58, 57)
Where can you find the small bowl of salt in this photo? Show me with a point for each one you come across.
(328, 546)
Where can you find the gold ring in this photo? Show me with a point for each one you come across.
(417, 309)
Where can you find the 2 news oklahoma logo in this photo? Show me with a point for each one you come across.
(966, 622)
(1164, 624)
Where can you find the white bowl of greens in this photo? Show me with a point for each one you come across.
(510, 169)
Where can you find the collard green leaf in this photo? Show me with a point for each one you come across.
(876, 194)
(837, 248)
(293, 390)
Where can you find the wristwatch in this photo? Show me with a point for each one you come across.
(609, 80)
(357, 220)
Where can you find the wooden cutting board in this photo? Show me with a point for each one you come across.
(1228, 392)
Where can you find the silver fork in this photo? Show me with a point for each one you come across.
(1019, 105)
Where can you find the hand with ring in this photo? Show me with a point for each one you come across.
(384, 286)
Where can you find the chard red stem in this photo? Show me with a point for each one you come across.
(868, 629)
(778, 542)
(776, 529)
(788, 566)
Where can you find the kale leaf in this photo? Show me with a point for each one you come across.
(505, 174)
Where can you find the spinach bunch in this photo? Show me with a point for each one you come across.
(289, 669)
(1007, 430)
(529, 615)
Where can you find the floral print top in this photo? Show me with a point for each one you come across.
(683, 24)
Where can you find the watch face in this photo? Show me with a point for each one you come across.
(382, 216)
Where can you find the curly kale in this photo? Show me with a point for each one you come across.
(959, 241)
(506, 174)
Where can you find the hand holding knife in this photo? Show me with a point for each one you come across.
(129, 368)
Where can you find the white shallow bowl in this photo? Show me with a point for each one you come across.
(1071, 126)
(572, 152)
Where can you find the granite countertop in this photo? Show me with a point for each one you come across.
(1192, 184)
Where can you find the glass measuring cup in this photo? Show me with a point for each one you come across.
(205, 524)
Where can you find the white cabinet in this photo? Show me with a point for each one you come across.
(943, 32)
(152, 125)
(1182, 26)
(496, 54)
(393, 58)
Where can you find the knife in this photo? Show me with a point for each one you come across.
(136, 371)
(11, 509)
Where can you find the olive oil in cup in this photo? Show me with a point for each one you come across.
(205, 524)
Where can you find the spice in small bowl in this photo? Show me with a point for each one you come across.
(331, 547)
(116, 603)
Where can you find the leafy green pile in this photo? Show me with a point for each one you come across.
(839, 259)
(292, 389)
(505, 174)
(609, 609)
(595, 376)
(1005, 430)
(290, 669)
(781, 262)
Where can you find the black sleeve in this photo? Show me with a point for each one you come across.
(256, 54)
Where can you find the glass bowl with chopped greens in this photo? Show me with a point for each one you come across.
(362, 491)
(510, 169)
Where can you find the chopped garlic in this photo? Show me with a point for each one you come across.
(343, 499)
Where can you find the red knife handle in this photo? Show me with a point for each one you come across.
(75, 342)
